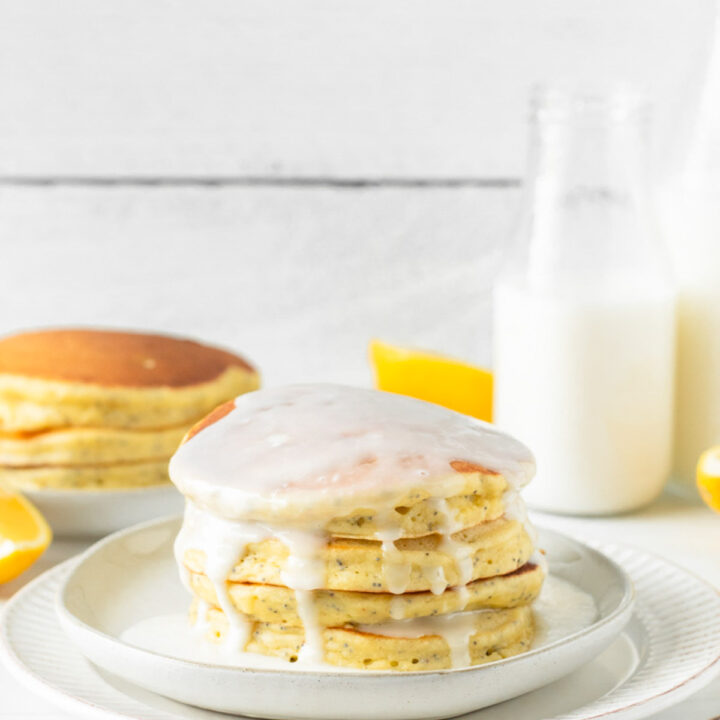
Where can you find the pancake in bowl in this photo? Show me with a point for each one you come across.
(100, 409)
(355, 528)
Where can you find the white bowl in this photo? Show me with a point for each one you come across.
(94, 513)
(132, 576)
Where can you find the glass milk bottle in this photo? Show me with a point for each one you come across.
(583, 333)
(692, 211)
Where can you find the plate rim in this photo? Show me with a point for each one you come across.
(624, 609)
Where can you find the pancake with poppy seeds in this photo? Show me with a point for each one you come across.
(102, 378)
(101, 409)
(304, 502)
(276, 604)
(87, 446)
(437, 643)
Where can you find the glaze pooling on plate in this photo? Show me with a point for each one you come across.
(282, 464)
(314, 447)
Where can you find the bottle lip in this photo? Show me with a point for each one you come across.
(590, 105)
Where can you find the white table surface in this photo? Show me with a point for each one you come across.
(685, 533)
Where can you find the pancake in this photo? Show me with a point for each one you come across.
(87, 477)
(274, 604)
(494, 548)
(425, 516)
(93, 378)
(111, 359)
(486, 636)
(87, 446)
(356, 528)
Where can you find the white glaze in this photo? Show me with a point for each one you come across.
(462, 555)
(305, 565)
(514, 508)
(397, 608)
(463, 595)
(312, 650)
(303, 452)
(435, 574)
(304, 572)
(460, 552)
(561, 610)
(223, 543)
(201, 616)
(396, 571)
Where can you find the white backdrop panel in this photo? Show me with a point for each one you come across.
(418, 88)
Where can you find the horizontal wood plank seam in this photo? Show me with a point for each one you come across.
(251, 181)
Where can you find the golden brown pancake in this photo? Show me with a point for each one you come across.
(112, 358)
(87, 477)
(277, 604)
(87, 446)
(89, 409)
(497, 634)
(495, 548)
(59, 379)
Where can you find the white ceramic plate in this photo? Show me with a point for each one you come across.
(94, 513)
(132, 576)
(668, 650)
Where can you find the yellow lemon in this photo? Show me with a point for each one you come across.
(432, 377)
(24, 534)
(708, 477)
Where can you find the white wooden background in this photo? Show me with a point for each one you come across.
(292, 178)
(368, 88)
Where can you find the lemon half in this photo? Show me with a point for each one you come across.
(708, 477)
(24, 534)
(452, 383)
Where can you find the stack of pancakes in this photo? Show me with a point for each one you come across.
(93, 409)
(356, 528)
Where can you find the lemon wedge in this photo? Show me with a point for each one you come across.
(24, 534)
(428, 376)
(708, 477)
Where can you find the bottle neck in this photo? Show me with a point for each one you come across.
(588, 211)
(588, 166)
